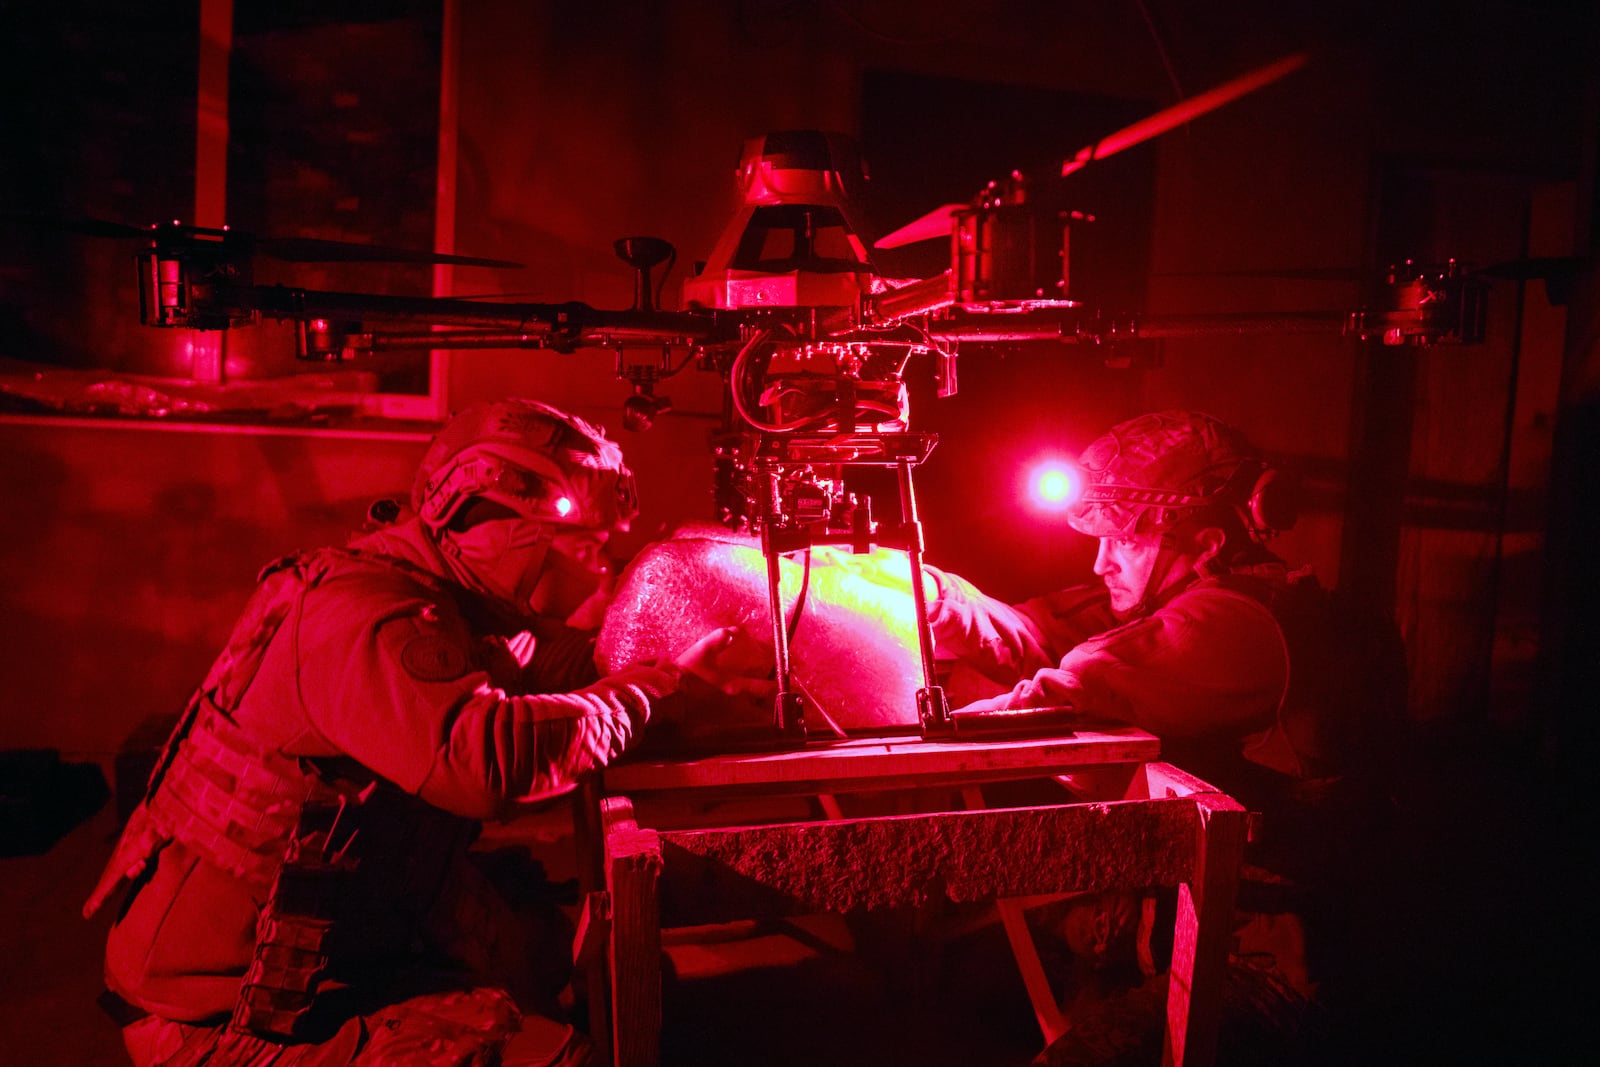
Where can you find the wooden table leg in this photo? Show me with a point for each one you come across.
(591, 947)
(1014, 919)
(1203, 932)
(633, 869)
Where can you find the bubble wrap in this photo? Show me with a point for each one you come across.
(854, 652)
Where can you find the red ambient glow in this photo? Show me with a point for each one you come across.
(1052, 486)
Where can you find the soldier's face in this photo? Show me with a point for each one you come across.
(1137, 568)
(1126, 564)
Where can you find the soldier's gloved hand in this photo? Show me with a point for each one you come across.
(726, 690)
(731, 662)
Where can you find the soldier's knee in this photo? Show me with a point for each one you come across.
(544, 1042)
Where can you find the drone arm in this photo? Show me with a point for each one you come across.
(288, 303)
(1074, 324)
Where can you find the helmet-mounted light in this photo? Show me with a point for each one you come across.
(542, 464)
(1053, 485)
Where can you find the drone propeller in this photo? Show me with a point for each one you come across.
(1538, 268)
(1559, 274)
(935, 223)
(286, 249)
(84, 226)
(938, 221)
(1184, 111)
(1531, 269)
(315, 250)
(1294, 274)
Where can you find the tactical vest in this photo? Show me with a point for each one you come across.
(1313, 774)
(304, 835)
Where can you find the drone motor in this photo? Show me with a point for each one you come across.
(178, 273)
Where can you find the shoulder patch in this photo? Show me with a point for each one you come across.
(432, 658)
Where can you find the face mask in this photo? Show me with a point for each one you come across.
(564, 585)
(501, 557)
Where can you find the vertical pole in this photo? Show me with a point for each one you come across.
(788, 709)
(932, 709)
(211, 128)
(444, 205)
(1569, 647)
(208, 347)
(589, 833)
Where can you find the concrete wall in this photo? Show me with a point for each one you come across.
(127, 550)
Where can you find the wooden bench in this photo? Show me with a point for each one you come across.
(1126, 822)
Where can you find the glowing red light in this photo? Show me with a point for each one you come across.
(1052, 486)
(563, 506)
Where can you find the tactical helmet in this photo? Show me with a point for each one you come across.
(1151, 472)
(541, 463)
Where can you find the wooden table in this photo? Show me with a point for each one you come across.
(1128, 822)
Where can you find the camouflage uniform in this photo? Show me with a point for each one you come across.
(1254, 677)
(299, 890)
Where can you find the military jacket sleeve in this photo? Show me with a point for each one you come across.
(1211, 662)
(400, 682)
(1007, 642)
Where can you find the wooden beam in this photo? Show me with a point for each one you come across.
(633, 867)
(593, 931)
(1203, 934)
(1157, 780)
(1013, 912)
(875, 763)
(773, 871)
(1041, 994)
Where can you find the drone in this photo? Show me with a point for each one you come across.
(811, 340)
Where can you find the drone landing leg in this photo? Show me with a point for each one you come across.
(933, 710)
(788, 711)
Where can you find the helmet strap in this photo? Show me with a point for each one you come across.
(1168, 578)
(1211, 562)
(1165, 581)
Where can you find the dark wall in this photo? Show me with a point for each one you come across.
(129, 550)
(1453, 130)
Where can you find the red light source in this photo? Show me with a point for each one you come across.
(563, 506)
(1052, 485)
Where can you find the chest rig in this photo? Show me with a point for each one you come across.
(305, 837)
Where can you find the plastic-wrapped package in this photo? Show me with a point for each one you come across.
(853, 651)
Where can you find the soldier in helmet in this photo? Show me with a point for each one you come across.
(1254, 676)
(297, 883)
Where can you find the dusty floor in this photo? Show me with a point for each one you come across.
(51, 971)
(1489, 939)
(806, 1002)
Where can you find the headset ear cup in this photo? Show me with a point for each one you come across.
(1274, 503)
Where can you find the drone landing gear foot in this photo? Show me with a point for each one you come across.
(933, 712)
(789, 716)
